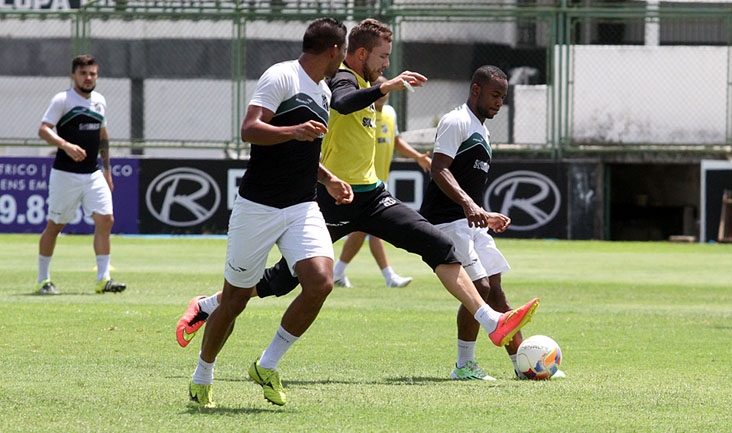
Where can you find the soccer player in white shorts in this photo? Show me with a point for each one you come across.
(452, 201)
(285, 122)
(78, 116)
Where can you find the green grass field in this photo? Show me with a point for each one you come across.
(645, 329)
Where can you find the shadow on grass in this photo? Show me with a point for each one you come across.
(219, 410)
(64, 293)
(407, 380)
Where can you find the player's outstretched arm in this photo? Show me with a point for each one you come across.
(338, 189)
(257, 129)
(403, 81)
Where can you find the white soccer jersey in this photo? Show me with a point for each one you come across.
(285, 174)
(78, 120)
(461, 136)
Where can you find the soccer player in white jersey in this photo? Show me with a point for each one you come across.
(285, 122)
(453, 203)
(78, 116)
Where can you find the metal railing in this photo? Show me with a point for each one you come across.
(583, 76)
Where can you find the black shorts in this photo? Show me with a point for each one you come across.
(377, 213)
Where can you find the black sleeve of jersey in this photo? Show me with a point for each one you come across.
(347, 97)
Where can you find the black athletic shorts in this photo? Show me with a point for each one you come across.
(377, 213)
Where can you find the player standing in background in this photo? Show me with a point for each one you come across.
(387, 139)
(285, 122)
(78, 114)
(452, 201)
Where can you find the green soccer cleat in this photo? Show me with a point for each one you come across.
(270, 382)
(201, 395)
(470, 371)
(46, 287)
(108, 285)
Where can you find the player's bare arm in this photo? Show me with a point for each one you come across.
(104, 155)
(46, 132)
(257, 129)
(404, 149)
(476, 215)
(413, 79)
(338, 189)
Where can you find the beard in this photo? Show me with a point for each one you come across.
(87, 89)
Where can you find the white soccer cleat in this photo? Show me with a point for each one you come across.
(341, 281)
(398, 281)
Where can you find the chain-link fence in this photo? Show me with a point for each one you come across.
(178, 74)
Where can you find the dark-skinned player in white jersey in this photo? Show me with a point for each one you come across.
(453, 203)
(285, 122)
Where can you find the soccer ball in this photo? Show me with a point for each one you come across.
(538, 357)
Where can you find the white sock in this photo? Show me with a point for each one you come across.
(466, 352)
(204, 372)
(276, 349)
(208, 305)
(515, 366)
(339, 268)
(388, 273)
(44, 268)
(487, 317)
(102, 266)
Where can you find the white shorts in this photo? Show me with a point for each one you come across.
(67, 190)
(299, 232)
(475, 249)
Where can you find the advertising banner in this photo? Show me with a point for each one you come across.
(188, 196)
(532, 194)
(24, 194)
(196, 196)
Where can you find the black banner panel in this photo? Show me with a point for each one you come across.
(543, 199)
(187, 196)
(716, 177)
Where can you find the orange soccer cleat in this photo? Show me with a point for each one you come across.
(512, 321)
(191, 322)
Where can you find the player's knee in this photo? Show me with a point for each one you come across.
(497, 298)
(484, 288)
(104, 222)
(54, 228)
(318, 286)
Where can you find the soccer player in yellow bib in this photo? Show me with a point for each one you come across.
(387, 140)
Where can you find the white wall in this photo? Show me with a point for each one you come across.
(621, 94)
(666, 94)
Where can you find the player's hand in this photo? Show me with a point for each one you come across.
(498, 222)
(309, 131)
(108, 178)
(414, 79)
(75, 152)
(477, 217)
(425, 162)
(339, 190)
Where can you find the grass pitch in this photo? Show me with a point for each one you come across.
(645, 329)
